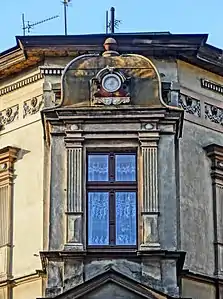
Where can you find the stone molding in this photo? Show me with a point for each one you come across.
(8, 156)
(20, 84)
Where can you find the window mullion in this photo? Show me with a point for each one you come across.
(112, 218)
(111, 167)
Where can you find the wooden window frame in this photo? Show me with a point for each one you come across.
(112, 186)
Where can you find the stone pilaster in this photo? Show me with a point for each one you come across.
(8, 156)
(149, 207)
(215, 153)
(74, 211)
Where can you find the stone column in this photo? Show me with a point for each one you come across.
(74, 211)
(149, 193)
(215, 153)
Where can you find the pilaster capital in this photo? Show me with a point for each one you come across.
(149, 139)
(74, 139)
(8, 155)
(215, 153)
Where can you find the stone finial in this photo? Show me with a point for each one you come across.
(110, 46)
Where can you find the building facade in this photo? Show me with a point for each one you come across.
(111, 167)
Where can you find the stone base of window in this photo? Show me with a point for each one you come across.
(73, 247)
(150, 246)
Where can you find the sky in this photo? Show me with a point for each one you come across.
(176, 16)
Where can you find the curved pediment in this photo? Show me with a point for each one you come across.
(111, 79)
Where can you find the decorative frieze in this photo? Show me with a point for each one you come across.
(32, 105)
(20, 84)
(190, 105)
(9, 115)
(214, 113)
(212, 86)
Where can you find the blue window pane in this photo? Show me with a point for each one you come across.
(125, 166)
(98, 218)
(98, 168)
(125, 218)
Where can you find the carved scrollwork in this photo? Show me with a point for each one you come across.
(9, 115)
(32, 106)
(190, 105)
(214, 113)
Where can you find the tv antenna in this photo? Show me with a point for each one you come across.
(113, 23)
(65, 4)
(30, 26)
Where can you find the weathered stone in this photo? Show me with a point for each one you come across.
(73, 274)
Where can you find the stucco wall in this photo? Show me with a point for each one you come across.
(25, 132)
(31, 290)
(27, 199)
(196, 290)
(197, 233)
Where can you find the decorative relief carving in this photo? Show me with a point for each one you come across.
(214, 113)
(20, 84)
(212, 86)
(9, 115)
(32, 106)
(190, 105)
(112, 101)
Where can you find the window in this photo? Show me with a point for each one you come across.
(111, 199)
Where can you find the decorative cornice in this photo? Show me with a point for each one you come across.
(20, 84)
(52, 71)
(212, 86)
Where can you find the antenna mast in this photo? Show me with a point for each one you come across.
(113, 23)
(30, 26)
(65, 4)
